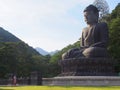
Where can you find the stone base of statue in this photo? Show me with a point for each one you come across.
(88, 67)
(85, 72)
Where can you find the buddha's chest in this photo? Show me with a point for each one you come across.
(91, 35)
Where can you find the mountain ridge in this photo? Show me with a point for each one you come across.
(6, 37)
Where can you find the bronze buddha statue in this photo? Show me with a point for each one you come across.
(94, 39)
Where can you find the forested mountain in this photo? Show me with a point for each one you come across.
(6, 36)
(17, 57)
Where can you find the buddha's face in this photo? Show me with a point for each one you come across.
(90, 17)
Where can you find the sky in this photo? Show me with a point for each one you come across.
(48, 24)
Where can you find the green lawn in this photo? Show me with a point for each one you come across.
(60, 88)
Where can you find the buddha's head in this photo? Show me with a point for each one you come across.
(91, 14)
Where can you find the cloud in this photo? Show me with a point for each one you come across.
(39, 8)
(43, 20)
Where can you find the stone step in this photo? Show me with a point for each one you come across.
(83, 81)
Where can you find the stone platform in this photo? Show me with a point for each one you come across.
(83, 81)
(85, 72)
(88, 67)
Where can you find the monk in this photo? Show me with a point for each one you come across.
(94, 39)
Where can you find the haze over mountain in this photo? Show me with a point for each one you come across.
(44, 52)
(41, 51)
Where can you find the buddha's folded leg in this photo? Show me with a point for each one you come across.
(72, 53)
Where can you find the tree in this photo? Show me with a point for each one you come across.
(113, 21)
(102, 6)
(18, 58)
(114, 46)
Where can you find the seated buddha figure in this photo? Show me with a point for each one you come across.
(94, 38)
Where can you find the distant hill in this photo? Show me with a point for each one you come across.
(44, 52)
(41, 51)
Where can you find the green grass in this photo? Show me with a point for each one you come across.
(60, 88)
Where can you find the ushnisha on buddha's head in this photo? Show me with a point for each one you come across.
(91, 15)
